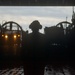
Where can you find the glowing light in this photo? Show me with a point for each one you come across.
(6, 36)
(15, 36)
(18, 35)
(2, 35)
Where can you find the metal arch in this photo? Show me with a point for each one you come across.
(12, 22)
(63, 22)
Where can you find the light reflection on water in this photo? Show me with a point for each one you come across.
(12, 71)
(11, 50)
(49, 70)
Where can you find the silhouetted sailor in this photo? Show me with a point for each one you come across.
(34, 49)
(35, 41)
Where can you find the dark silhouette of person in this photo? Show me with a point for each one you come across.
(35, 49)
(35, 41)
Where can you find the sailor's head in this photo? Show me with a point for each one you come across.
(35, 26)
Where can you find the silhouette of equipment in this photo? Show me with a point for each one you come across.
(11, 35)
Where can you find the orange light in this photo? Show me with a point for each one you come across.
(18, 35)
(2, 35)
(6, 36)
(15, 36)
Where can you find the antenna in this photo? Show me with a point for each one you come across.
(66, 18)
(73, 9)
(73, 16)
(66, 23)
(73, 13)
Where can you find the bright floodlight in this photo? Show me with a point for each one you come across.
(6, 36)
(15, 36)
